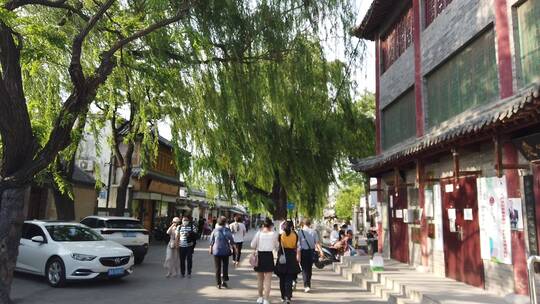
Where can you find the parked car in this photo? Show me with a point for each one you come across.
(126, 231)
(63, 251)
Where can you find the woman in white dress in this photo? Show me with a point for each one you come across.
(172, 259)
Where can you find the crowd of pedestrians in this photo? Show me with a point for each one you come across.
(285, 251)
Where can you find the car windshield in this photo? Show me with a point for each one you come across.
(72, 233)
(123, 224)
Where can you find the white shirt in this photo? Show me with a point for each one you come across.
(265, 241)
(334, 236)
(239, 231)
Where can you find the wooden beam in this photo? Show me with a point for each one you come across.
(515, 166)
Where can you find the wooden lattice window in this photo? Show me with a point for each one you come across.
(528, 15)
(399, 120)
(397, 39)
(434, 8)
(469, 78)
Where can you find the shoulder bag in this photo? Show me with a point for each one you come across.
(282, 258)
(254, 257)
(315, 256)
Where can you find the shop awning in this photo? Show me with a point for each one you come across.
(472, 125)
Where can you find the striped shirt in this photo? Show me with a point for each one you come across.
(184, 232)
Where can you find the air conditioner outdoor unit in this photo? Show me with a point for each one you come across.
(86, 165)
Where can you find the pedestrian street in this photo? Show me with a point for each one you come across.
(148, 284)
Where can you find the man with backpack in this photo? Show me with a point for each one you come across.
(221, 247)
(187, 234)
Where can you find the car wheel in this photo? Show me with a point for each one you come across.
(55, 272)
(139, 259)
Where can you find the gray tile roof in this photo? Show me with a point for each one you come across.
(500, 114)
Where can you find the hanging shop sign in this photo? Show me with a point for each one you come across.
(494, 220)
(529, 146)
(530, 213)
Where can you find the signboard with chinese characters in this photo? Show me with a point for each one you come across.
(494, 220)
(530, 213)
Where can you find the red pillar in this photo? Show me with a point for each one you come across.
(418, 68)
(510, 154)
(519, 253)
(420, 169)
(504, 53)
(377, 98)
(380, 230)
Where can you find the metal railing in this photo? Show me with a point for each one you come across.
(532, 284)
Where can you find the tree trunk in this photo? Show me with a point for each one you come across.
(279, 198)
(65, 206)
(121, 193)
(11, 212)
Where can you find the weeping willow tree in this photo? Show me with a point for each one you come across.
(56, 58)
(270, 125)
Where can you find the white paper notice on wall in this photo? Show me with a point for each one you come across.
(449, 188)
(452, 213)
(391, 201)
(405, 215)
(467, 214)
(452, 225)
(399, 213)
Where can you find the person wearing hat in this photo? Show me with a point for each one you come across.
(172, 259)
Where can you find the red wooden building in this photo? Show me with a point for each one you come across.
(458, 136)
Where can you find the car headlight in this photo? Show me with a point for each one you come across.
(82, 257)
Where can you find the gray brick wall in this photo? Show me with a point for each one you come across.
(466, 17)
(398, 78)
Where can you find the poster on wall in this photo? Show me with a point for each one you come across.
(516, 214)
(494, 220)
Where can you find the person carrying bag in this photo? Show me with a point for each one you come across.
(264, 243)
(309, 241)
(287, 265)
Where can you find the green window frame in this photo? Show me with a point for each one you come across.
(399, 120)
(528, 41)
(467, 79)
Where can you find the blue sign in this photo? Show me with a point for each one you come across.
(290, 206)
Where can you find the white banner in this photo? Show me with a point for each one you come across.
(494, 219)
(437, 206)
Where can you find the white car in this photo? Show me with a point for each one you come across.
(126, 231)
(70, 251)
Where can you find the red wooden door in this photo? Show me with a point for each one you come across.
(462, 243)
(399, 234)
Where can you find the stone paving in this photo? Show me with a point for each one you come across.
(149, 285)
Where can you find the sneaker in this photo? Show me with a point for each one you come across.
(266, 302)
(224, 285)
(189, 276)
(260, 300)
(307, 289)
(218, 286)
